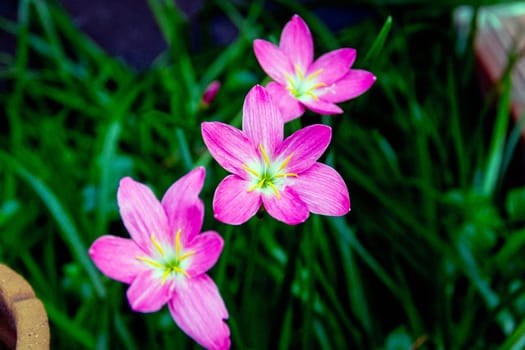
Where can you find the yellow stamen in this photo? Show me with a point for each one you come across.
(318, 85)
(179, 270)
(149, 261)
(290, 80)
(265, 156)
(299, 72)
(157, 245)
(256, 186)
(286, 161)
(311, 94)
(316, 73)
(177, 242)
(275, 190)
(286, 175)
(250, 170)
(186, 255)
(165, 276)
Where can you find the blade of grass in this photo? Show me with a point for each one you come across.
(70, 233)
(379, 42)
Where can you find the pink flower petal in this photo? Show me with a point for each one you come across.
(261, 120)
(229, 146)
(141, 212)
(334, 64)
(147, 293)
(296, 42)
(116, 258)
(289, 106)
(273, 60)
(198, 309)
(232, 203)
(355, 83)
(207, 247)
(322, 107)
(288, 208)
(306, 146)
(323, 190)
(184, 209)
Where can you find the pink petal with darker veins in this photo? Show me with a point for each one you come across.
(207, 247)
(355, 83)
(232, 203)
(334, 65)
(198, 309)
(289, 106)
(323, 190)
(296, 42)
(287, 208)
(273, 60)
(261, 119)
(322, 107)
(116, 258)
(229, 146)
(184, 209)
(141, 212)
(147, 293)
(306, 146)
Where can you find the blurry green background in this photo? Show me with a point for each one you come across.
(430, 257)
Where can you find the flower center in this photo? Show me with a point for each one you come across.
(301, 86)
(171, 263)
(269, 176)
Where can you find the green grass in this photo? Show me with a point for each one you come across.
(430, 257)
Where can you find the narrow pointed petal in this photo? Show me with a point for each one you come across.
(261, 119)
(355, 83)
(116, 258)
(141, 212)
(289, 208)
(323, 190)
(334, 65)
(229, 146)
(184, 209)
(322, 107)
(290, 107)
(198, 309)
(147, 293)
(207, 247)
(232, 203)
(273, 60)
(306, 146)
(296, 42)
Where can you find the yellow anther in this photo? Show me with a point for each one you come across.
(149, 261)
(299, 72)
(177, 242)
(265, 155)
(318, 85)
(286, 175)
(179, 270)
(275, 190)
(316, 73)
(250, 170)
(312, 95)
(286, 161)
(186, 255)
(157, 245)
(256, 186)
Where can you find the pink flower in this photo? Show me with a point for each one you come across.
(167, 258)
(300, 82)
(211, 91)
(282, 175)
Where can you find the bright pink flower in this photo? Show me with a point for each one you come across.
(167, 258)
(282, 175)
(211, 91)
(300, 82)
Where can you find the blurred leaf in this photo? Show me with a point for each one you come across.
(515, 204)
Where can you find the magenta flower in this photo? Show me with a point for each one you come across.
(210, 92)
(300, 82)
(167, 258)
(282, 175)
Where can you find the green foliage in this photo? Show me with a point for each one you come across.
(428, 258)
